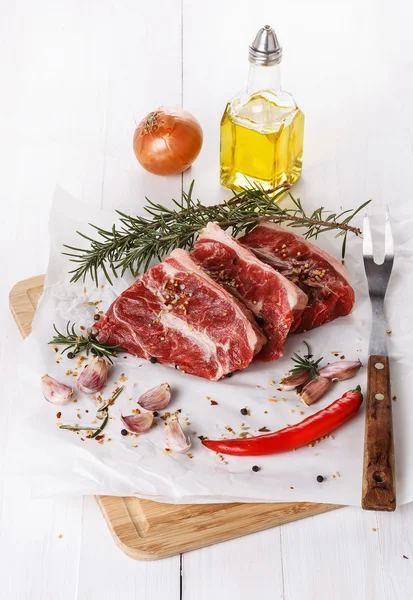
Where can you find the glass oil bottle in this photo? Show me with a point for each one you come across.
(262, 127)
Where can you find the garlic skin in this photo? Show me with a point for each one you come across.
(138, 423)
(291, 382)
(93, 377)
(315, 390)
(54, 391)
(156, 398)
(340, 370)
(175, 438)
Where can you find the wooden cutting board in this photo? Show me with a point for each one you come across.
(147, 530)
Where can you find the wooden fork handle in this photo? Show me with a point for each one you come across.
(379, 478)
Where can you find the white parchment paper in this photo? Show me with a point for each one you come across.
(58, 461)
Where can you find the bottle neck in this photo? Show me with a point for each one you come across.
(264, 78)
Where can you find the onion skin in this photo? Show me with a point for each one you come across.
(167, 141)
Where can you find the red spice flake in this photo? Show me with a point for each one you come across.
(99, 437)
(58, 415)
(335, 353)
(265, 412)
(342, 357)
(55, 349)
(214, 403)
(264, 429)
(86, 411)
(168, 450)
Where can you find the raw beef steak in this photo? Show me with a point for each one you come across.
(177, 314)
(273, 299)
(319, 275)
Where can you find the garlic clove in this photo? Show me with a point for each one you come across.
(138, 423)
(314, 390)
(341, 370)
(54, 391)
(175, 438)
(295, 380)
(94, 376)
(156, 398)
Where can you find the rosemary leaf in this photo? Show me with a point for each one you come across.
(132, 245)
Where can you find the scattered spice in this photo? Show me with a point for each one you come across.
(320, 478)
(406, 557)
(244, 411)
(69, 354)
(214, 403)
(96, 317)
(189, 455)
(99, 437)
(264, 429)
(58, 415)
(394, 397)
(134, 445)
(373, 529)
(60, 536)
(255, 468)
(388, 331)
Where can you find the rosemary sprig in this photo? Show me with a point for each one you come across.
(134, 243)
(306, 363)
(84, 342)
(104, 410)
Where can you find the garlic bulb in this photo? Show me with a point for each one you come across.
(156, 398)
(138, 423)
(340, 370)
(295, 380)
(54, 391)
(93, 377)
(175, 438)
(314, 390)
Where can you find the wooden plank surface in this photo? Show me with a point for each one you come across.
(147, 530)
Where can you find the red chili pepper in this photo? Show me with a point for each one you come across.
(310, 429)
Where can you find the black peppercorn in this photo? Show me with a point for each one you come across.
(93, 351)
(153, 360)
(124, 432)
(155, 413)
(229, 375)
(244, 411)
(96, 317)
(255, 468)
(320, 478)
(70, 355)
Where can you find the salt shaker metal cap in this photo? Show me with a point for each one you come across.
(265, 50)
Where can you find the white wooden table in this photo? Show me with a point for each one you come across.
(75, 74)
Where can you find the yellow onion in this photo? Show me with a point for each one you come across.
(167, 141)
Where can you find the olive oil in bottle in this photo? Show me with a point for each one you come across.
(262, 127)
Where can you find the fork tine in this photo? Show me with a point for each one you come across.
(388, 239)
(367, 241)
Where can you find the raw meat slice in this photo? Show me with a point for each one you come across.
(319, 275)
(272, 298)
(178, 315)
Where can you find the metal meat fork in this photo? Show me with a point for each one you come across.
(379, 481)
